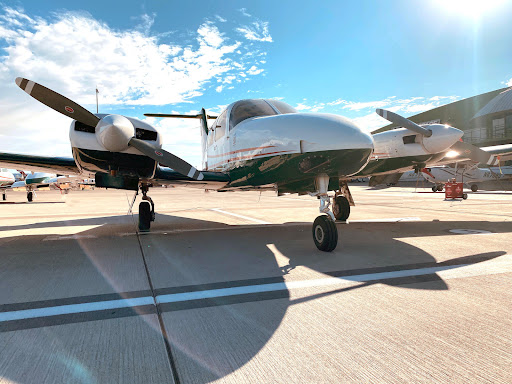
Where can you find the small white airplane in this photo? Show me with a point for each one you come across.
(253, 144)
(472, 177)
(6, 180)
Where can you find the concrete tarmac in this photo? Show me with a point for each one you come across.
(230, 288)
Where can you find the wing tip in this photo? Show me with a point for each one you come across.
(18, 81)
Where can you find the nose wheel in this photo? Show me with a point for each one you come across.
(325, 233)
(146, 210)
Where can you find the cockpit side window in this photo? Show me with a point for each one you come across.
(282, 107)
(246, 109)
(220, 126)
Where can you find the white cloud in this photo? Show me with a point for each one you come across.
(219, 88)
(258, 31)
(72, 53)
(254, 70)
(220, 18)
(244, 12)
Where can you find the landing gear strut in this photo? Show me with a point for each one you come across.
(325, 233)
(146, 210)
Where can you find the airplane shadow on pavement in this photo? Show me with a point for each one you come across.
(209, 337)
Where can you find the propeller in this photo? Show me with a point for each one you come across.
(115, 132)
(402, 121)
(476, 154)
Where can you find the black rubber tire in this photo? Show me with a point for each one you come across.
(440, 188)
(341, 208)
(325, 233)
(464, 196)
(434, 188)
(474, 187)
(144, 216)
(30, 196)
(4, 197)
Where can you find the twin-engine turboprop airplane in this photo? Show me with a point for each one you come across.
(254, 144)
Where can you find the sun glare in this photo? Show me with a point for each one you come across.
(469, 8)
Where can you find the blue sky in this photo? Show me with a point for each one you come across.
(344, 57)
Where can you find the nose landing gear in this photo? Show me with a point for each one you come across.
(325, 233)
(146, 210)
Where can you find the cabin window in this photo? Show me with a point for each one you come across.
(282, 107)
(246, 109)
(220, 126)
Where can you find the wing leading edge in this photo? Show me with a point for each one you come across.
(62, 165)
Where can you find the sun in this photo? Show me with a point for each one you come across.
(468, 8)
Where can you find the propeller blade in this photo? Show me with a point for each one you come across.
(402, 121)
(57, 102)
(166, 158)
(474, 153)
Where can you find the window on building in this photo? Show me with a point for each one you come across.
(498, 128)
(508, 126)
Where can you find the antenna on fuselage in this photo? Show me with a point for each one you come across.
(97, 99)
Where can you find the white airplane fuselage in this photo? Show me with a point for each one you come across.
(6, 178)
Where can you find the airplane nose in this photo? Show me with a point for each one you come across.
(335, 139)
(332, 132)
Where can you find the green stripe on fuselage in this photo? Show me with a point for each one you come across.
(299, 169)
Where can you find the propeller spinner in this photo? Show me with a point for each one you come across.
(115, 132)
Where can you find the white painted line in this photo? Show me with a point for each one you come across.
(386, 220)
(463, 270)
(74, 308)
(502, 264)
(240, 216)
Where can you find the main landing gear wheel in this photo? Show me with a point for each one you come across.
(146, 210)
(4, 197)
(474, 187)
(325, 233)
(341, 208)
(144, 216)
(30, 196)
(464, 196)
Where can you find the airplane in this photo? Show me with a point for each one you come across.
(471, 176)
(254, 144)
(6, 180)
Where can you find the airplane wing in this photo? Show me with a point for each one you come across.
(211, 180)
(60, 165)
(495, 154)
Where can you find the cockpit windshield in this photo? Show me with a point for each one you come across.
(245, 109)
(282, 106)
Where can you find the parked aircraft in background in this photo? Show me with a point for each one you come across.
(472, 177)
(253, 144)
(6, 180)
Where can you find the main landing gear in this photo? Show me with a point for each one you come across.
(325, 233)
(146, 210)
(4, 196)
(342, 202)
(30, 196)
